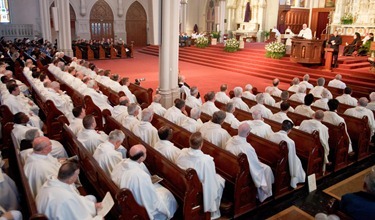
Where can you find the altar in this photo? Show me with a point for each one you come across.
(246, 30)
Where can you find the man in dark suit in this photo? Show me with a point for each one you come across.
(335, 42)
(361, 205)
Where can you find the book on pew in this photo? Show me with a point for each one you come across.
(107, 204)
(156, 179)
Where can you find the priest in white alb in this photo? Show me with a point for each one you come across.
(213, 132)
(156, 106)
(237, 101)
(76, 124)
(145, 130)
(165, 146)
(177, 113)
(258, 126)
(89, 137)
(132, 173)
(360, 110)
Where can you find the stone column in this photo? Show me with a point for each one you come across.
(339, 11)
(64, 42)
(221, 18)
(168, 53)
(229, 19)
(183, 15)
(83, 7)
(45, 19)
(120, 12)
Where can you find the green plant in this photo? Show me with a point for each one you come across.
(275, 50)
(266, 34)
(201, 42)
(231, 45)
(347, 18)
(215, 34)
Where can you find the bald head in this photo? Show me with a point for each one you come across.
(123, 100)
(338, 77)
(137, 153)
(372, 97)
(319, 115)
(257, 115)
(42, 145)
(244, 130)
(363, 101)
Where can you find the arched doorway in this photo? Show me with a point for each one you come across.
(101, 21)
(136, 25)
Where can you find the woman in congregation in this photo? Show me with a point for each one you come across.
(349, 49)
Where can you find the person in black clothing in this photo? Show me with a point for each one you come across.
(335, 42)
(353, 46)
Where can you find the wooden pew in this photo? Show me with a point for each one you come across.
(239, 186)
(19, 177)
(90, 53)
(101, 52)
(125, 205)
(185, 185)
(113, 96)
(113, 52)
(272, 154)
(77, 52)
(308, 146)
(144, 96)
(94, 110)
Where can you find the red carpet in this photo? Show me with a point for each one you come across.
(210, 67)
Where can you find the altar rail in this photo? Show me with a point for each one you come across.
(11, 31)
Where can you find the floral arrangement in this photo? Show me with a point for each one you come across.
(275, 50)
(231, 45)
(347, 18)
(201, 42)
(215, 34)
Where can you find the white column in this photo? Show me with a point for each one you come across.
(83, 7)
(183, 15)
(229, 19)
(120, 8)
(64, 42)
(221, 18)
(168, 53)
(45, 19)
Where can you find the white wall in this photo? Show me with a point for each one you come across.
(25, 12)
(273, 10)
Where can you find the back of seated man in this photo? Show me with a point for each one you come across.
(282, 115)
(284, 97)
(165, 146)
(193, 123)
(222, 96)
(360, 110)
(145, 130)
(258, 126)
(248, 93)
(260, 98)
(299, 96)
(371, 104)
(237, 101)
(337, 83)
(322, 102)
(274, 89)
(318, 89)
(305, 109)
(89, 137)
(133, 174)
(230, 118)
(177, 113)
(305, 81)
(213, 184)
(59, 199)
(192, 101)
(346, 97)
(294, 85)
(213, 132)
(156, 105)
(361, 205)
(209, 106)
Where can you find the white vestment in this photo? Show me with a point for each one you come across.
(213, 184)
(306, 33)
(129, 94)
(129, 121)
(209, 108)
(145, 131)
(371, 105)
(318, 90)
(277, 105)
(232, 120)
(337, 84)
(280, 117)
(314, 125)
(296, 171)
(119, 112)
(347, 99)
(215, 134)
(304, 110)
(238, 103)
(192, 125)
(335, 119)
(107, 157)
(260, 128)
(193, 102)
(321, 103)
(58, 200)
(158, 201)
(222, 97)
(9, 198)
(38, 168)
(248, 95)
(293, 88)
(76, 125)
(98, 98)
(266, 113)
(298, 97)
(175, 115)
(273, 90)
(359, 112)
(62, 102)
(168, 149)
(157, 108)
(260, 173)
(268, 99)
(91, 139)
(307, 84)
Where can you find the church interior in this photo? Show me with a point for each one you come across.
(116, 65)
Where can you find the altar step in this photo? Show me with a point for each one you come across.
(252, 61)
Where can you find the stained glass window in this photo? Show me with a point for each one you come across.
(4, 11)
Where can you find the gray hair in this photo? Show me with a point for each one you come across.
(195, 113)
(248, 87)
(244, 129)
(284, 95)
(321, 81)
(116, 135)
(194, 90)
(338, 77)
(147, 114)
(370, 181)
(229, 107)
(259, 98)
(257, 115)
(372, 96)
(363, 101)
(132, 108)
(306, 77)
(31, 134)
(218, 117)
(295, 81)
(237, 91)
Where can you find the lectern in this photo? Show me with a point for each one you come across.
(307, 51)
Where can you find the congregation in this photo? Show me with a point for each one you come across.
(272, 117)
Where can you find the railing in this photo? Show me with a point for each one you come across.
(11, 31)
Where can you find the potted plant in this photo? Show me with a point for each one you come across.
(347, 18)
(201, 42)
(215, 36)
(266, 35)
(275, 50)
(231, 45)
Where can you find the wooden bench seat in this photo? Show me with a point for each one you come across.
(144, 96)
(239, 187)
(185, 185)
(113, 96)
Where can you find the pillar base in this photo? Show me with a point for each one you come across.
(168, 97)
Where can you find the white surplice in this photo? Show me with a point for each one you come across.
(107, 157)
(347, 99)
(260, 128)
(321, 103)
(280, 117)
(209, 108)
(98, 98)
(175, 115)
(215, 134)
(158, 201)
(261, 173)
(192, 125)
(168, 149)
(193, 102)
(318, 90)
(58, 200)
(335, 119)
(248, 95)
(145, 131)
(238, 103)
(232, 120)
(304, 110)
(157, 108)
(266, 113)
(76, 125)
(337, 84)
(9, 198)
(222, 97)
(298, 97)
(296, 171)
(314, 125)
(119, 112)
(213, 184)
(359, 112)
(38, 168)
(91, 139)
(129, 121)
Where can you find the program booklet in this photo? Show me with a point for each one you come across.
(156, 179)
(107, 204)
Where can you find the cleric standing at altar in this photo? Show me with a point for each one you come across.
(305, 32)
(335, 42)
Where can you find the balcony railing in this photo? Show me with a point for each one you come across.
(11, 31)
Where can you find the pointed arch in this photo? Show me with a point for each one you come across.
(101, 21)
(136, 24)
